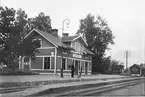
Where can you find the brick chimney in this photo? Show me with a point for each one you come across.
(65, 34)
(55, 32)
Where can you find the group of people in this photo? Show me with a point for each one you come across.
(73, 71)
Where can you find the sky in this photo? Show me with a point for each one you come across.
(126, 18)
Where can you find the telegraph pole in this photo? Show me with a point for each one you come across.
(144, 60)
(110, 61)
(126, 59)
(62, 45)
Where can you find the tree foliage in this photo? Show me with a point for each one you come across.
(106, 62)
(111, 66)
(97, 33)
(14, 25)
(98, 36)
(12, 45)
(21, 21)
(41, 22)
(117, 66)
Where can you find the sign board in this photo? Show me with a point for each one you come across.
(77, 56)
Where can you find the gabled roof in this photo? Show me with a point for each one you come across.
(54, 40)
(140, 66)
(69, 38)
(73, 38)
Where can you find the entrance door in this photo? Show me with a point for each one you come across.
(76, 67)
(27, 63)
(86, 68)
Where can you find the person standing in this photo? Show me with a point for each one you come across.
(72, 70)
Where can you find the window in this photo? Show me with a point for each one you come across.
(39, 40)
(64, 63)
(69, 63)
(90, 66)
(46, 62)
(77, 47)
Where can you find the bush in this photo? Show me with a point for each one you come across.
(17, 72)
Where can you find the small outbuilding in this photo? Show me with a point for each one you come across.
(137, 70)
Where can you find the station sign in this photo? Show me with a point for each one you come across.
(77, 56)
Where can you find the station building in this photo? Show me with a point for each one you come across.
(58, 52)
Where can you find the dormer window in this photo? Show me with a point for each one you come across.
(77, 47)
(40, 42)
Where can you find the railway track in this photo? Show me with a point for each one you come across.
(10, 90)
(93, 90)
(76, 90)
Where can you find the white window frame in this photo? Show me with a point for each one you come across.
(44, 63)
(77, 47)
(39, 40)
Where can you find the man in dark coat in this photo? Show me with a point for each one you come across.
(72, 70)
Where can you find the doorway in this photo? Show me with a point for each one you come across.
(86, 68)
(27, 63)
(76, 67)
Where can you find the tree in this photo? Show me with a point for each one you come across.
(12, 45)
(142, 64)
(9, 35)
(98, 36)
(21, 22)
(117, 66)
(105, 64)
(41, 22)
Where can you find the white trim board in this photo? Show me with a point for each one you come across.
(46, 48)
(74, 58)
(82, 39)
(45, 56)
(36, 69)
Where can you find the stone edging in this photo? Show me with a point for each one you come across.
(46, 82)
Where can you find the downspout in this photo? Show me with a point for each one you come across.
(140, 71)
